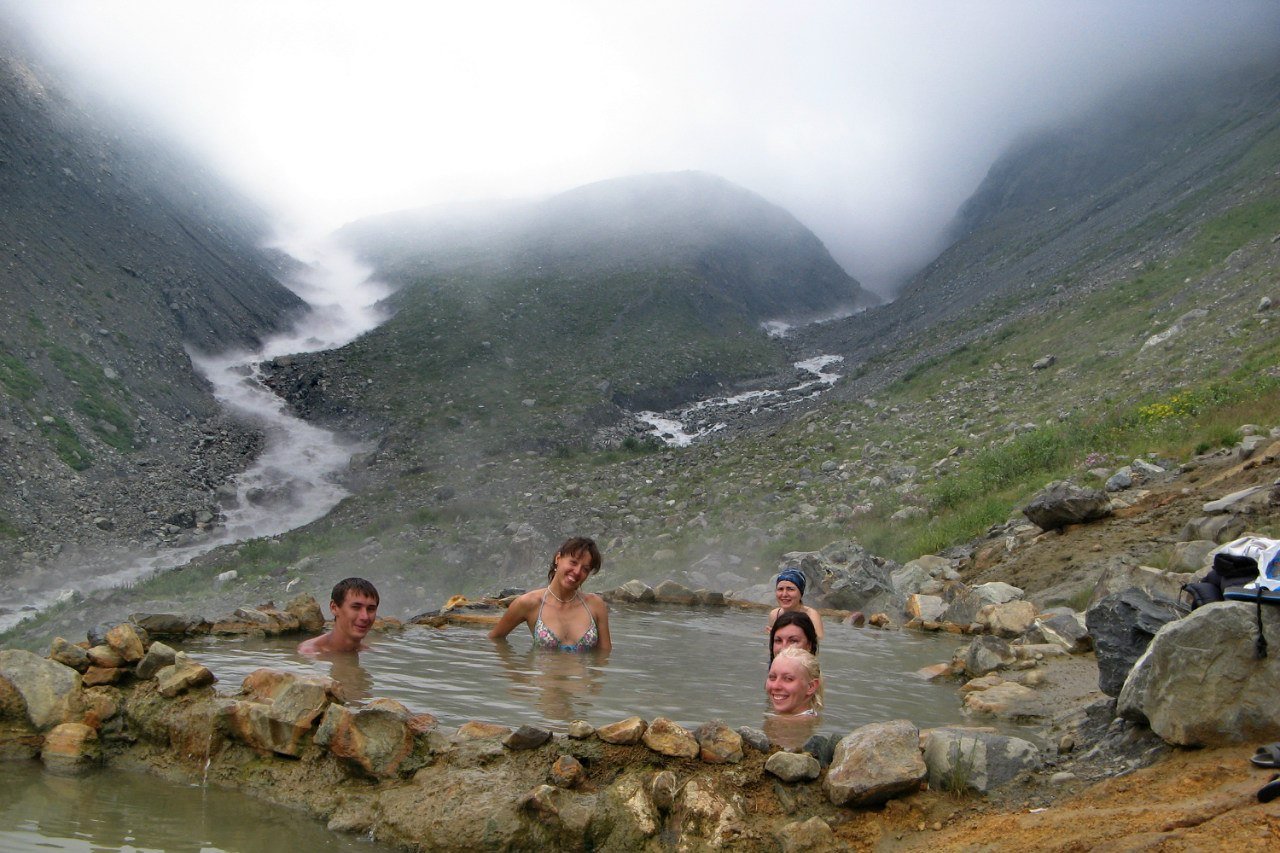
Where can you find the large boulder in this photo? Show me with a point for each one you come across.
(925, 574)
(846, 576)
(1009, 620)
(1119, 576)
(279, 709)
(1062, 503)
(962, 760)
(377, 739)
(1122, 625)
(1201, 682)
(48, 689)
(875, 763)
(1064, 629)
(964, 603)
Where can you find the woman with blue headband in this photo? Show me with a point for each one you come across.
(789, 590)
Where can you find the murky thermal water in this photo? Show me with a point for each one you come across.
(118, 810)
(690, 665)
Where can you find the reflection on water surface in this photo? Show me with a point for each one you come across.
(691, 665)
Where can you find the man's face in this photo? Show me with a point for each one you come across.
(354, 616)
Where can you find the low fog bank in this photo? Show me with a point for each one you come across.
(871, 123)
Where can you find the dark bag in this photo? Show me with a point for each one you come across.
(1233, 569)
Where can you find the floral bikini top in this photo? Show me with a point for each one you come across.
(545, 638)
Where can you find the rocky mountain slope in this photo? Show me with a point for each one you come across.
(533, 325)
(120, 253)
(1077, 208)
(1040, 345)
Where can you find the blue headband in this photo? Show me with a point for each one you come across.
(793, 575)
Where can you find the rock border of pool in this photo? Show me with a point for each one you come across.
(124, 697)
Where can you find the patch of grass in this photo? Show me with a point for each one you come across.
(105, 416)
(66, 444)
(17, 379)
(959, 778)
(9, 530)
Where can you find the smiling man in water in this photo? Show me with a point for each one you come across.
(354, 604)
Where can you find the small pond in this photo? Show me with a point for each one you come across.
(690, 665)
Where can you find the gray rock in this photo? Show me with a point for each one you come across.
(875, 763)
(1233, 500)
(1192, 556)
(963, 760)
(822, 747)
(670, 592)
(158, 656)
(1145, 468)
(793, 766)
(1120, 480)
(1219, 528)
(1064, 503)
(1122, 625)
(987, 654)
(1010, 619)
(962, 604)
(915, 575)
(1118, 576)
(527, 737)
(1201, 683)
(1065, 630)
(755, 738)
(803, 836)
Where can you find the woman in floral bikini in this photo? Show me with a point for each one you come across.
(559, 616)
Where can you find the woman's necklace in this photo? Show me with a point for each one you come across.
(556, 597)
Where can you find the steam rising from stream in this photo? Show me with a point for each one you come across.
(293, 481)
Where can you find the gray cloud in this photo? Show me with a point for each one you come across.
(870, 121)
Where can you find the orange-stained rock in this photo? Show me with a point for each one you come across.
(96, 676)
(105, 657)
(185, 674)
(282, 709)
(376, 739)
(129, 640)
(623, 732)
(71, 748)
(567, 772)
(476, 730)
(718, 744)
(69, 654)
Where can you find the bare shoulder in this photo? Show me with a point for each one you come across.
(314, 646)
(596, 602)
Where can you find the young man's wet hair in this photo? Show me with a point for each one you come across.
(342, 587)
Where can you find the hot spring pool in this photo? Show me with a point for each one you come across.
(690, 665)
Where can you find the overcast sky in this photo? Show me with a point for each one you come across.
(870, 121)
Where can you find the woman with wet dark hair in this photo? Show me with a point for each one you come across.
(570, 621)
(792, 628)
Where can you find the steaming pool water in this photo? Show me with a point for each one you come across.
(690, 665)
